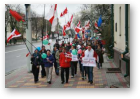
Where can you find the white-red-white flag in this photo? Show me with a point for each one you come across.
(14, 34)
(45, 37)
(96, 25)
(52, 16)
(68, 25)
(77, 28)
(87, 25)
(64, 28)
(64, 12)
(27, 54)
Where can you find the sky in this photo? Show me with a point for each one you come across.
(72, 8)
(39, 9)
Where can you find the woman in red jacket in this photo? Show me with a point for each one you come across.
(65, 59)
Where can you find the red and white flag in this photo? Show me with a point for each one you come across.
(64, 28)
(27, 54)
(77, 28)
(64, 12)
(96, 25)
(52, 16)
(87, 25)
(68, 25)
(16, 16)
(14, 34)
(45, 37)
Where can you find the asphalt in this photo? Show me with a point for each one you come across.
(15, 55)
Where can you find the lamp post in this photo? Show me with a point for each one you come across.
(28, 35)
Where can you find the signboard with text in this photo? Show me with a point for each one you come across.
(89, 61)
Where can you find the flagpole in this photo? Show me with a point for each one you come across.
(26, 45)
(43, 25)
(31, 44)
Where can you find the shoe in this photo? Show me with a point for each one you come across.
(88, 81)
(91, 82)
(49, 82)
(85, 77)
(72, 76)
(42, 76)
(62, 82)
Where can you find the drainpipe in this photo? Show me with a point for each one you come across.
(112, 29)
(126, 41)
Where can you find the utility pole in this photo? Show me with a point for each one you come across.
(28, 35)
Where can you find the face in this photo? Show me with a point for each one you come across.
(43, 48)
(48, 52)
(36, 51)
(89, 48)
(63, 50)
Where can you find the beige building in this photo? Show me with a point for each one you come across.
(122, 39)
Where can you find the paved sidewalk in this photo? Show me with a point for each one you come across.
(21, 79)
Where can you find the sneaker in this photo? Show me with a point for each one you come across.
(72, 76)
(62, 82)
(82, 78)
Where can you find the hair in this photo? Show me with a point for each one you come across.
(48, 50)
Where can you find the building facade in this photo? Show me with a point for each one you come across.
(122, 38)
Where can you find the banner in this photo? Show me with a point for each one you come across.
(89, 61)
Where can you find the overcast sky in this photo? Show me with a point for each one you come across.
(72, 8)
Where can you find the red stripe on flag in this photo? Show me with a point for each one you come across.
(27, 54)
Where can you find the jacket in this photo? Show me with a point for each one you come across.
(57, 56)
(48, 64)
(100, 55)
(62, 59)
(36, 59)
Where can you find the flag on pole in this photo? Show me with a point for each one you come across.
(52, 16)
(16, 16)
(99, 21)
(64, 12)
(27, 54)
(45, 37)
(88, 24)
(78, 29)
(68, 25)
(64, 28)
(96, 25)
(14, 34)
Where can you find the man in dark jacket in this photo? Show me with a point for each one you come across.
(43, 73)
(35, 61)
(56, 45)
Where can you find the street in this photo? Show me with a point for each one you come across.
(15, 55)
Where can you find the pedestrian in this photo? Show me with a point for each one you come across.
(56, 45)
(43, 73)
(35, 61)
(63, 44)
(57, 54)
(65, 58)
(83, 68)
(100, 58)
(55, 63)
(48, 63)
(90, 53)
(74, 61)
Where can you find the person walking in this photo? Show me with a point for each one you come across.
(35, 61)
(100, 58)
(90, 53)
(57, 60)
(74, 61)
(65, 58)
(43, 73)
(48, 63)
(55, 63)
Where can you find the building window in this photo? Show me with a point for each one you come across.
(120, 21)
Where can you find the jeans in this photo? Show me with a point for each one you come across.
(84, 71)
(62, 74)
(90, 73)
(80, 66)
(55, 66)
(99, 65)
(57, 69)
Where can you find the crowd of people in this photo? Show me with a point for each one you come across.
(65, 58)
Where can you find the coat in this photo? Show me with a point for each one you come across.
(62, 59)
(36, 59)
(100, 55)
(48, 64)
(57, 56)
